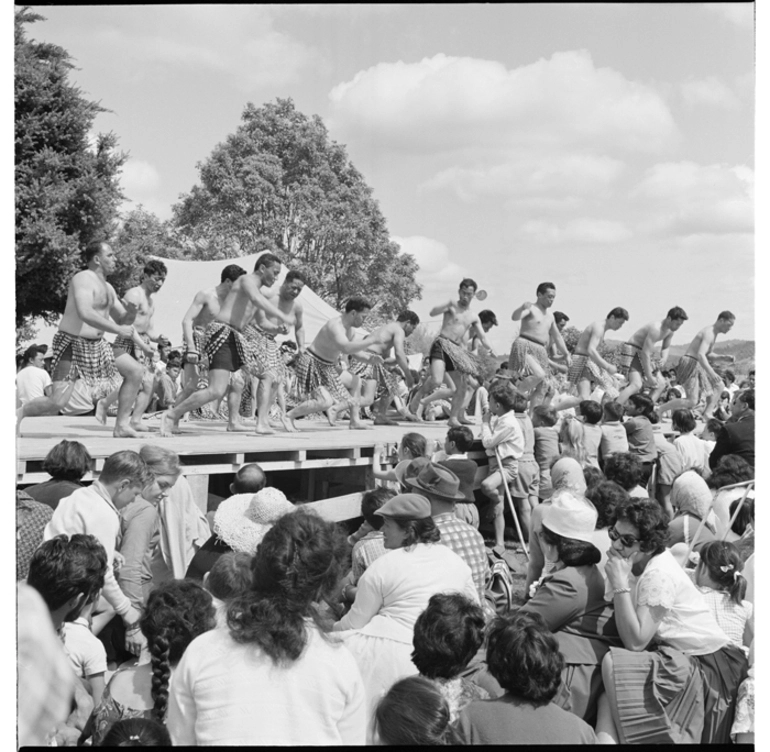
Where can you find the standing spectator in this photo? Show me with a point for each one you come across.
(546, 447)
(692, 449)
(668, 466)
(592, 413)
(614, 437)
(66, 463)
(525, 487)
(32, 381)
(737, 436)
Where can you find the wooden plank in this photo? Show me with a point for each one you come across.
(338, 509)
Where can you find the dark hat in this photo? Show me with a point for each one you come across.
(436, 481)
(405, 507)
(409, 468)
(465, 470)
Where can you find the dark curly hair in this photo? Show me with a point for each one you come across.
(730, 469)
(419, 531)
(624, 468)
(68, 460)
(447, 634)
(299, 561)
(724, 564)
(177, 612)
(605, 496)
(649, 519)
(414, 712)
(745, 516)
(572, 552)
(524, 657)
(592, 476)
(136, 732)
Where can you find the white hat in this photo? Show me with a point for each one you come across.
(243, 520)
(570, 516)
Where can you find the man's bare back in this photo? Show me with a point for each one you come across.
(87, 286)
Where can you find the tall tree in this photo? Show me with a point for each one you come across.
(280, 180)
(67, 190)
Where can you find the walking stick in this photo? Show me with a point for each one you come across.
(507, 492)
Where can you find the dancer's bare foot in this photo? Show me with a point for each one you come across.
(383, 421)
(331, 415)
(467, 422)
(141, 428)
(288, 424)
(124, 432)
(412, 418)
(239, 428)
(453, 423)
(264, 430)
(356, 426)
(167, 425)
(101, 412)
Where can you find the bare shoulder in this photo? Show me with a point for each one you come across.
(87, 280)
(135, 294)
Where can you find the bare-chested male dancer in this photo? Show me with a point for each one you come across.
(378, 383)
(225, 345)
(555, 356)
(635, 357)
(447, 353)
(529, 353)
(80, 350)
(205, 306)
(318, 382)
(588, 367)
(261, 332)
(695, 373)
(138, 345)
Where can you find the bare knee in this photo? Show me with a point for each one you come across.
(131, 371)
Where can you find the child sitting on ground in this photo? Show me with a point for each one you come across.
(228, 578)
(447, 636)
(458, 442)
(546, 447)
(614, 437)
(501, 436)
(591, 412)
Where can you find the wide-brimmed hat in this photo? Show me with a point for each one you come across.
(570, 516)
(409, 468)
(243, 520)
(437, 481)
(408, 506)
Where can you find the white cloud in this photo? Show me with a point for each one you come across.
(139, 177)
(709, 91)
(448, 103)
(741, 14)
(578, 231)
(685, 198)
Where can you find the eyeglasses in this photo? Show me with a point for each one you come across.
(626, 540)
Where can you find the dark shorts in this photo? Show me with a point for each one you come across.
(437, 353)
(227, 357)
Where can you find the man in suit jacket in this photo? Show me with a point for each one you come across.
(737, 436)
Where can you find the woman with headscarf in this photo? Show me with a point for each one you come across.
(571, 601)
(395, 589)
(691, 499)
(566, 475)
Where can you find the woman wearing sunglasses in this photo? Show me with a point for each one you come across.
(676, 679)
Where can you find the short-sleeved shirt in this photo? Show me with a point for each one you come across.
(730, 616)
(468, 544)
(31, 382)
(669, 461)
(592, 439)
(546, 452)
(84, 649)
(614, 439)
(641, 440)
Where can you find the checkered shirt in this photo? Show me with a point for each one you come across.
(369, 548)
(31, 519)
(468, 544)
(730, 616)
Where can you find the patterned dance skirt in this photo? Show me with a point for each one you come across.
(313, 373)
(90, 359)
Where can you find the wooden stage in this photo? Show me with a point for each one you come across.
(321, 455)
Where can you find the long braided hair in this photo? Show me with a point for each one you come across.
(177, 612)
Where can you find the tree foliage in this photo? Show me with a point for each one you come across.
(280, 181)
(67, 190)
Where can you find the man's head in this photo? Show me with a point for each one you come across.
(33, 356)
(613, 411)
(371, 501)
(125, 474)
(467, 291)
(459, 439)
(154, 274)
(591, 411)
(99, 255)
(561, 320)
(728, 376)
(249, 479)
(68, 573)
(725, 322)
(675, 318)
(487, 319)
(546, 294)
(293, 284)
(616, 318)
(68, 460)
(357, 309)
(231, 272)
(743, 402)
(268, 267)
(410, 321)
(173, 369)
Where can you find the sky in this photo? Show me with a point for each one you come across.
(608, 148)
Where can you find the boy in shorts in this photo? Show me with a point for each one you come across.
(526, 486)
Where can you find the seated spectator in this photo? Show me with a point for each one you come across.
(524, 658)
(32, 381)
(458, 443)
(414, 712)
(66, 463)
(31, 519)
(271, 677)
(592, 412)
(229, 578)
(605, 496)
(166, 388)
(249, 480)
(691, 500)
(676, 679)
(136, 732)
(592, 476)
(614, 437)
(372, 545)
(737, 435)
(69, 574)
(177, 612)
(626, 470)
(693, 450)
(730, 470)
(447, 636)
(571, 601)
